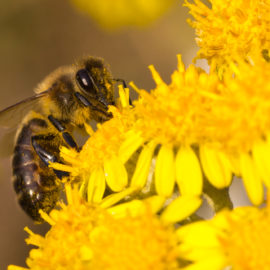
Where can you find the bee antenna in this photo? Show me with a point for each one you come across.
(122, 81)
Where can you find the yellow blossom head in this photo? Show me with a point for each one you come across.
(205, 124)
(86, 236)
(173, 114)
(141, 241)
(238, 239)
(230, 29)
(195, 107)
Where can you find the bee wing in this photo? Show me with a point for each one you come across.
(7, 143)
(11, 117)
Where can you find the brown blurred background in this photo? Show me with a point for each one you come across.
(38, 36)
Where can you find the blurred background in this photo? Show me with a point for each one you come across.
(38, 36)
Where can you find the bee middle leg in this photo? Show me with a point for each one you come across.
(45, 156)
(66, 135)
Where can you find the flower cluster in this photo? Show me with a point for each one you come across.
(194, 128)
(140, 178)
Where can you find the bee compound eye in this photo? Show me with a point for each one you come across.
(85, 81)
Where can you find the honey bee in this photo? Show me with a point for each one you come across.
(66, 99)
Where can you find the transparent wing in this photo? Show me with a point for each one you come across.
(11, 117)
(7, 142)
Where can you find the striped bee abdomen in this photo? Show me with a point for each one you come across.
(34, 182)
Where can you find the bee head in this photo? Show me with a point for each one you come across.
(95, 85)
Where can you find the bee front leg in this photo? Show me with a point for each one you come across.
(66, 136)
(46, 156)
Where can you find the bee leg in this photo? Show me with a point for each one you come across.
(45, 156)
(122, 81)
(66, 136)
(124, 85)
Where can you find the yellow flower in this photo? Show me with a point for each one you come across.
(238, 239)
(124, 236)
(205, 126)
(167, 117)
(119, 13)
(230, 29)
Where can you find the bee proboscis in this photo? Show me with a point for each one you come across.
(66, 99)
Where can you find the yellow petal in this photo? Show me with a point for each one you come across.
(35, 254)
(132, 208)
(235, 165)
(100, 187)
(216, 167)
(61, 167)
(180, 64)
(155, 203)
(116, 197)
(135, 207)
(261, 156)
(188, 172)
(84, 186)
(164, 171)
(181, 208)
(96, 186)
(70, 156)
(69, 193)
(201, 233)
(124, 96)
(251, 179)
(115, 174)
(130, 145)
(35, 239)
(143, 164)
(157, 78)
(14, 267)
(89, 129)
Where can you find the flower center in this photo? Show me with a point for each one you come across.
(134, 243)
